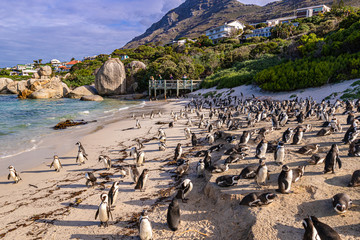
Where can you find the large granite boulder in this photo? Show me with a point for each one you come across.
(132, 68)
(47, 89)
(17, 86)
(92, 98)
(66, 89)
(3, 83)
(110, 79)
(45, 72)
(82, 91)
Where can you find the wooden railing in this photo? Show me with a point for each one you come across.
(165, 85)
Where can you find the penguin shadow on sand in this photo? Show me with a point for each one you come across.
(284, 231)
(72, 186)
(8, 182)
(81, 206)
(101, 236)
(39, 171)
(340, 181)
(350, 230)
(69, 223)
(319, 208)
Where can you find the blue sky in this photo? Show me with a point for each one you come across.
(47, 29)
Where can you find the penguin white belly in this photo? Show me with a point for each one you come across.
(106, 164)
(145, 179)
(262, 151)
(289, 178)
(115, 196)
(13, 176)
(56, 164)
(280, 155)
(81, 158)
(103, 215)
(262, 174)
(189, 190)
(145, 230)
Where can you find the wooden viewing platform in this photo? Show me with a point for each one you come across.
(172, 85)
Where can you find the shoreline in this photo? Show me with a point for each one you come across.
(59, 142)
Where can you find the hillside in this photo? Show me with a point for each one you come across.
(194, 17)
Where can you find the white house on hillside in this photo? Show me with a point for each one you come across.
(311, 11)
(55, 63)
(224, 31)
(261, 32)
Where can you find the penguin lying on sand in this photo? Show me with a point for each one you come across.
(258, 199)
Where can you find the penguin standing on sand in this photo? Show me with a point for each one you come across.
(106, 160)
(162, 146)
(341, 202)
(298, 173)
(137, 124)
(81, 148)
(194, 140)
(245, 137)
(145, 230)
(298, 136)
(200, 168)
(134, 172)
(207, 160)
(184, 189)
(285, 180)
(80, 159)
(113, 193)
(178, 152)
(140, 159)
(331, 159)
(355, 179)
(262, 173)
(173, 215)
(323, 231)
(279, 154)
(287, 135)
(261, 149)
(14, 174)
(142, 180)
(56, 163)
(187, 133)
(103, 211)
(90, 178)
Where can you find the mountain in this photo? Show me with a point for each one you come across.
(193, 17)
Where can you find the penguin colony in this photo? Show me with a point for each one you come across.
(215, 118)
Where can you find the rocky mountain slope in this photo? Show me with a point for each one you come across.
(194, 17)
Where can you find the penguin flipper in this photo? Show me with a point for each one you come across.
(97, 214)
(51, 164)
(339, 161)
(9, 176)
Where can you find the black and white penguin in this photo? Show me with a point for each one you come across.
(81, 157)
(341, 202)
(81, 148)
(283, 118)
(298, 173)
(298, 136)
(171, 124)
(331, 159)
(248, 172)
(194, 140)
(309, 149)
(14, 174)
(354, 149)
(56, 163)
(351, 134)
(219, 168)
(113, 193)
(145, 230)
(275, 123)
(134, 172)
(162, 146)
(262, 173)
(235, 157)
(140, 158)
(178, 152)
(184, 189)
(90, 178)
(287, 135)
(103, 211)
(207, 160)
(316, 159)
(173, 215)
(355, 179)
(216, 148)
(200, 168)
(162, 139)
(182, 169)
(187, 133)
(227, 180)
(106, 160)
(279, 154)
(310, 230)
(261, 149)
(140, 144)
(324, 231)
(210, 138)
(245, 137)
(285, 180)
(137, 124)
(142, 180)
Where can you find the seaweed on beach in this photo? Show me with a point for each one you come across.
(70, 123)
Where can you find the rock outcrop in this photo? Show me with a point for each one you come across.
(85, 90)
(110, 79)
(17, 86)
(3, 84)
(132, 68)
(44, 72)
(97, 98)
(53, 88)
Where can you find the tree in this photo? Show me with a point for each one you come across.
(261, 25)
(72, 59)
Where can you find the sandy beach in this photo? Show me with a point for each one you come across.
(58, 205)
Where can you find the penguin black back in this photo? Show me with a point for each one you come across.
(173, 215)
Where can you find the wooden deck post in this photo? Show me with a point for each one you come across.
(155, 88)
(177, 88)
(165, 89)
(191, 87)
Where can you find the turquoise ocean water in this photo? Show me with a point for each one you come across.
(24, 123)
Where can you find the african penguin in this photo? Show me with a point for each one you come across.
(173, 215)
(341, 202)
(286, 137)
(355, 179)
(279, 154)
(113, 193)
(227, 180)
(56, 163)
(285, 179)
(106, 160)
(140, 159)
(80, 159)
(324, 230)
(310, 230)
(134, 172)
(14, 174)
(262, 173)
(261, 149)
(331, 159)
(90, 178)
(142, 180)
(178, 152)
(298, 173)
(184, 189)
(145, 230)
(103, 211)
(200, 168)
